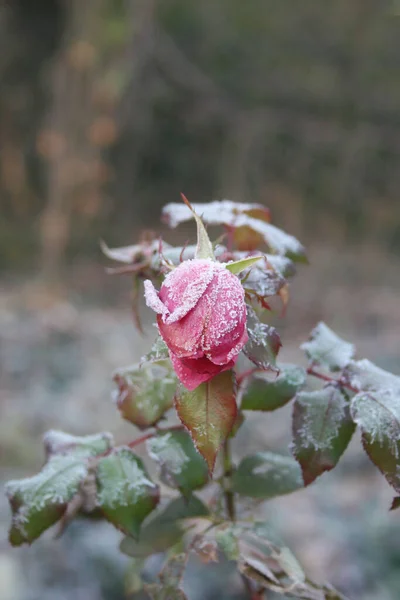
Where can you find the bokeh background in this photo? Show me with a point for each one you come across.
(108, 110)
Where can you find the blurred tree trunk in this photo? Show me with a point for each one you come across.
(71, 158)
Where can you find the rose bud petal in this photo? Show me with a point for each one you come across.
(201, 315)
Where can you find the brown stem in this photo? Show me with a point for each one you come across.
(229, 496)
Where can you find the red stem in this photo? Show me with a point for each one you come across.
(313, 373)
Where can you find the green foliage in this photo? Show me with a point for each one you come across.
(126, 495)
(268, 392)
(266, 475)
(181, 466)
(164, 528)
(322, 429)
(145, 392)
(264, 342)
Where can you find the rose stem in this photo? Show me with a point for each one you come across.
(228, 494)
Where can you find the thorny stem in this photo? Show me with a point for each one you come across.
(229, 496)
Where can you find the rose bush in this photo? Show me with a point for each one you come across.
(201, 315)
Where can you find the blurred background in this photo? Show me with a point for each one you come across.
(108, 110)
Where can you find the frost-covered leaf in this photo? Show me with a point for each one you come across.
(40, 501)
(164, 528)
(209, 413)
(263, 281)
(322, 428)
(59, 442)
(157, 353)
(327, 349)
(238, 266)
(363, 375)
(145, 392)
(239, 216)
(181, 465)
(264, 342)
(269, 391)
(136, 253)
(126, 495)
(377, 413)
(266, 475)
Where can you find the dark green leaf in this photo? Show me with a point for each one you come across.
(268, 391)
(145, 393)
(126, 495)
(327, 349)
(266, 475)
(264, 342)
(322, 428)
(378, 416)
(40, 501)
(181, 465)
(209, 413)
(165, 528)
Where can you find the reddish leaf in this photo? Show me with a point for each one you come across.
(209, 413)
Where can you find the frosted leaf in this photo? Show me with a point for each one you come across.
(145, 392)
(266, 475)
(59, 442)
(263, 281)
(126, 495)
(365, 375)
(327, 349)
(181, 465)
(281, 264)
(269, 391)
(377, 413)
(40, 501)
(134, 253)
(322, 428)
(264, 342)
(226, 212)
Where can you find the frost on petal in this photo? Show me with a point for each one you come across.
(152, 299)
(227, 323)
(183, 287)
(191, 373)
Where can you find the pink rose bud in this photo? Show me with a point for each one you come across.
(201, 315)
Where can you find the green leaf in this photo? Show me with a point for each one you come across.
(126, 495)
(181, 465)
(165, 528)
(327, 349)
(378, 416)
(145, 393)
(266, 475)
(59, 442)
(238, 266)
(264, 342)
(209, 413)
(322, 428)
(204, 247)
(40, 501)
(268, 392)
